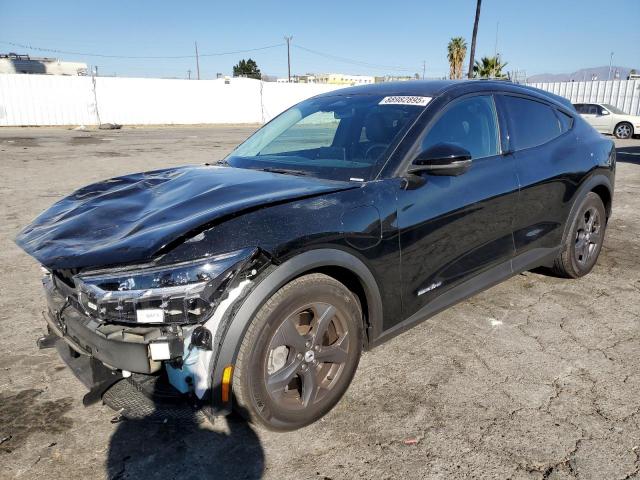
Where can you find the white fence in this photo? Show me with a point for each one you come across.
(624, 94)
(60, 100)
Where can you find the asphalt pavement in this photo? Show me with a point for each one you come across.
(535, 378)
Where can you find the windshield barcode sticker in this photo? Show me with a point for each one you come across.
(405, 100)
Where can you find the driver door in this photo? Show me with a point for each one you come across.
(453, 228)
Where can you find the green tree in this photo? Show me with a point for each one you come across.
(247, 68)
(489, 67)
(456, 51)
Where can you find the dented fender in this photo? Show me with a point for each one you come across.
(194, 372)
(238, 315)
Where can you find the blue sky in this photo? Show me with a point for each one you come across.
(541, 36)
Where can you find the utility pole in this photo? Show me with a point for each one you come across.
(495, 52)
(610, 65)
(197, 62)
(424, 68)
(288, 40)
(473, 39)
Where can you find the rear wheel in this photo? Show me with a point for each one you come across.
(583, 242)
(623, 130)
(299, 353)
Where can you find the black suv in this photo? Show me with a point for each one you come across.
(346, 220)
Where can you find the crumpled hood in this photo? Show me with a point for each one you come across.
(129, 219)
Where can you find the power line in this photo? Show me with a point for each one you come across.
(353, 61)
(136, 57)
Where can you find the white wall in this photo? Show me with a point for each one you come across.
(624, 94)
(57, 100)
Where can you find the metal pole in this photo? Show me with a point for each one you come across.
(424, 68)
(473, 39)
(610, 64)
(288, 39)
(197, 62)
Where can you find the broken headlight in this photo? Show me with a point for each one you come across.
(179, 293)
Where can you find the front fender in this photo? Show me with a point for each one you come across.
(274, 279)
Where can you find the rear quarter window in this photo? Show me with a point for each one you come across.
(566, 121)
(531, 123)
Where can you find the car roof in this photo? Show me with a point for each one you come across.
(433, 88)
(429, 88)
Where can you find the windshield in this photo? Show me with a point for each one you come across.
(613, 109)
(336, 137)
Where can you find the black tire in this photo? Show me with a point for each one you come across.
(583, 242)
(279, 367)
(623, 130)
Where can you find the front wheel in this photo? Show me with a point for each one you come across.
(583, 242)
(299, 354)
(623, 130)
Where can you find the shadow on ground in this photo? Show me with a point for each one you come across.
(188, 448)
(628, 154)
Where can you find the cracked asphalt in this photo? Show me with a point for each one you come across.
(536, 378)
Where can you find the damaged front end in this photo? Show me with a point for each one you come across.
(162, 320)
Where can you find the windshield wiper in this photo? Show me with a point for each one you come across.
(286, 171)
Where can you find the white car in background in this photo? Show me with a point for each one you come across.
(609, 119)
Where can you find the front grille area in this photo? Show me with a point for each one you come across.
(65, 276)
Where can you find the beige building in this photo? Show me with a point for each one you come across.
(330, 79)
(395, 78)
(13, 63)
(343, 79)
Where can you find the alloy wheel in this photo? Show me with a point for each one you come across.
(306, 356)
(588, 236)
(623, 131)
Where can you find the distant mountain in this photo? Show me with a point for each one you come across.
(602, 73)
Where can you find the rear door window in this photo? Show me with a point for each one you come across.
(531, 123)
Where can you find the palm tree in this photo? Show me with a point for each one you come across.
(457, 50)
(473, 39)
(489, 67)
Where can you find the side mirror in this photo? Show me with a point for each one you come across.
(442, 159)
(604, 112)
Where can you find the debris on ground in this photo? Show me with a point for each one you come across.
(81, 128)
(410, 441)
(110, 126)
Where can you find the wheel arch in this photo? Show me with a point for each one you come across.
(605, 195)
(599, 184)
(339, 264)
